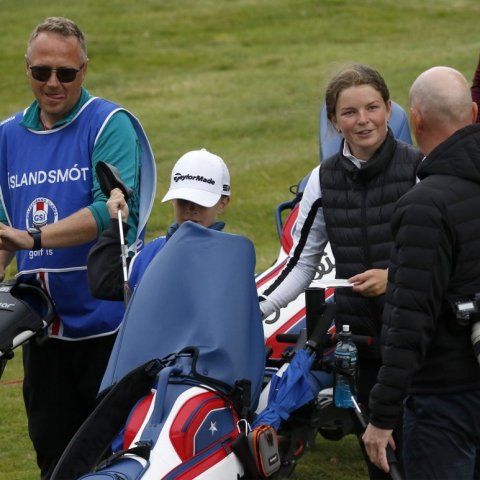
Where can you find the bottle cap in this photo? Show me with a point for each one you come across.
(345, 328)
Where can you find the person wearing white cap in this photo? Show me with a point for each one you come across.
(199, 177)
(199, 192)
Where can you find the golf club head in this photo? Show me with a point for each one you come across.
(109, 178)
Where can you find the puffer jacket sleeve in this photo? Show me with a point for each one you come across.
(418, 278)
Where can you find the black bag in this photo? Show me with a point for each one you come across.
(24, 311)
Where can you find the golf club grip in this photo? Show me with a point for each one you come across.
(393, 464)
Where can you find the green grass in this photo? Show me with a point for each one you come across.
(244, 79)
(17, 459)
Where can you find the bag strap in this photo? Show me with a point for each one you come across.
(239, 394)
(242, 450)
(142, 450)
(95, 436)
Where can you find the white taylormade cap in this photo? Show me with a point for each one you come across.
(200, 177)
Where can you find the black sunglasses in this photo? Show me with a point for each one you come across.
(64, 74)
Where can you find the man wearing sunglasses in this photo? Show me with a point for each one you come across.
(51, 213)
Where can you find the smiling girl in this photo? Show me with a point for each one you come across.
(348, 201)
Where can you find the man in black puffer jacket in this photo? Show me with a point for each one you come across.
(428, 357)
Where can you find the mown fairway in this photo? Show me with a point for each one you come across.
(244, 79)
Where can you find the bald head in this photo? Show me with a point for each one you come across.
(443, 94)
(440, 104)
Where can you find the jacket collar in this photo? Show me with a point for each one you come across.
(375, 165)
(174, 227)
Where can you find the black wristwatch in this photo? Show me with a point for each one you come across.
(36, 234)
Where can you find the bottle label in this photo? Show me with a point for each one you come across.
(346, 360)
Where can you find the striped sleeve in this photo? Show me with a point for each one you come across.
(310, 239)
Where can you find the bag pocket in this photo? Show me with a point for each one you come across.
(263, 443)
(127, 468)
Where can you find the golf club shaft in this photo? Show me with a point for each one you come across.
(123, 246)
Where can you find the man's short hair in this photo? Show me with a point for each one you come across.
(61, 26)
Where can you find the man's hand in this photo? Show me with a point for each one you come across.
(12, 239)
(76, 229)
(117, 202)
(370, 283)
(376, 440)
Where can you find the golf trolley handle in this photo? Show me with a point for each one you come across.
(332, 338)
(356, 339)
(319, 317)
(296, 190)
(287, 337)
(278, 214)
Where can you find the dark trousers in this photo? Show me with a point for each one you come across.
(442, 436)
(367, 378)
(60, 386)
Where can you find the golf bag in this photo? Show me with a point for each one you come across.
(187, 374)
(291, 328)
(287, 330)
(291, 319)
(187, 365)
(25, 311)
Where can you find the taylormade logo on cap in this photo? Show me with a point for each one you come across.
(178, 177)
(200, 177)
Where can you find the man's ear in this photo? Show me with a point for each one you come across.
(474, 112)
(416, 121)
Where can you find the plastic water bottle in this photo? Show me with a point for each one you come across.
(346, 360)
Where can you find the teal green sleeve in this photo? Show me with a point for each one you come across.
(118, 145)
(3, 217)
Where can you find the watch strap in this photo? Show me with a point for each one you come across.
(36, 234)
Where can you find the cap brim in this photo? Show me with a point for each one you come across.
(205, 199)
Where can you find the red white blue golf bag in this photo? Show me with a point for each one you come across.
(188, 363)
(286, 330)
(290, 320)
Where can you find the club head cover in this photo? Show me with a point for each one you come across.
(109, 178)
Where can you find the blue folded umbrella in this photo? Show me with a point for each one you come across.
(288, 391)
